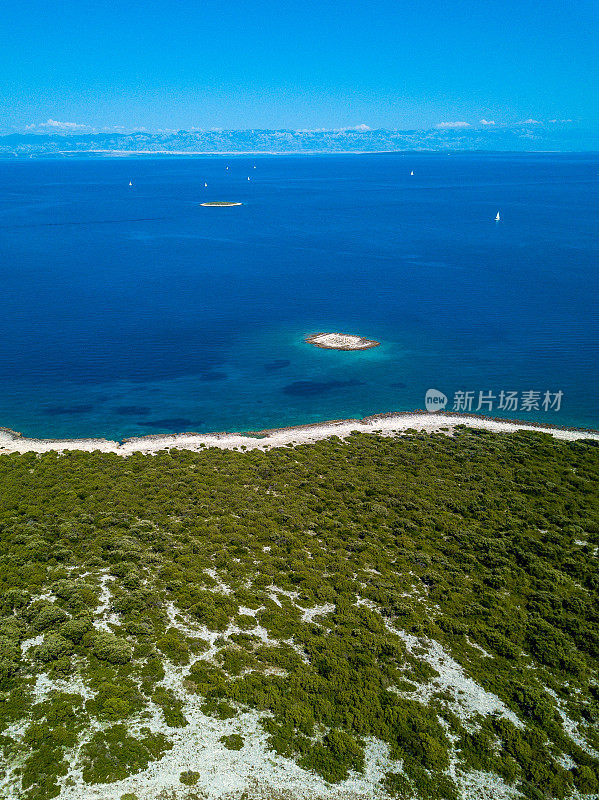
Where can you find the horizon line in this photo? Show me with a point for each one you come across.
(72, 130)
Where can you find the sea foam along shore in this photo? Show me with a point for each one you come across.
(387, 424)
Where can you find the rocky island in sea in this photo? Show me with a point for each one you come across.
(220, 203)
(341, 341)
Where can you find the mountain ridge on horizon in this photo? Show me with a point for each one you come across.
(524, 137)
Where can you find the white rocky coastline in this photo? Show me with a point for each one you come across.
(388, 424)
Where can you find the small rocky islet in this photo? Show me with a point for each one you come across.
(341, 341)
(220, 203)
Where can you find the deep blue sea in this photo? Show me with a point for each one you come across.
(133, 310)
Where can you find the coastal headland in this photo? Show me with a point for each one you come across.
(386, 424)
(341, 341)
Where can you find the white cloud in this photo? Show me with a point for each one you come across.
(531, 122)
(487, 122)
(443, 125)
(360, 128)
(63, 126)
(55, 125)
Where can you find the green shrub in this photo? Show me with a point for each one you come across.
(235, 660)
(44, 764)
(171, 706)
(245, 622)
(397, 785)
(174, 646)
(48, 615)
(206, 679)
(586, 779)
(189, 777)
(10, 657)
(53, 647)
(220, 709)
(152, 670)
(114, 699)
(76, 595)
(112, 754)
(333, 759)
(111, 648)
(232, 742)
(75, 629)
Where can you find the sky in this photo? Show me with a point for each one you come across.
(79, 66)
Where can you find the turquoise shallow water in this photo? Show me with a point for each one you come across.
(132, 310)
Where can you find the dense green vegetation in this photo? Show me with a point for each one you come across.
(314, 584)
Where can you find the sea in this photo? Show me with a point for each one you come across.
(132, 310)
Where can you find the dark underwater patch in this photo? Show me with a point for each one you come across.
(131, 411)
(399, 385)
(279, 363)
(307, 388)
(79, 409)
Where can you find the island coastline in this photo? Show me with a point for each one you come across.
(385, 424)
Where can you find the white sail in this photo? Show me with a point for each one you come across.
(205, 184)
(130, 184)
(497, 218)
(412, 172)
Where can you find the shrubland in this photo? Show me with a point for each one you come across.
(310, 584)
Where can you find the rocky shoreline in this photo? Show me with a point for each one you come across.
(388, 423)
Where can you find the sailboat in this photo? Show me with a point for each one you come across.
(205, 184)
(497, 217)
(248, 179)
(226, 167)
(412, 172)
(130, 184)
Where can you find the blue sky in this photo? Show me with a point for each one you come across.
(208, 64)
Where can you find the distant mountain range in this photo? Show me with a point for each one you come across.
(526, 136)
